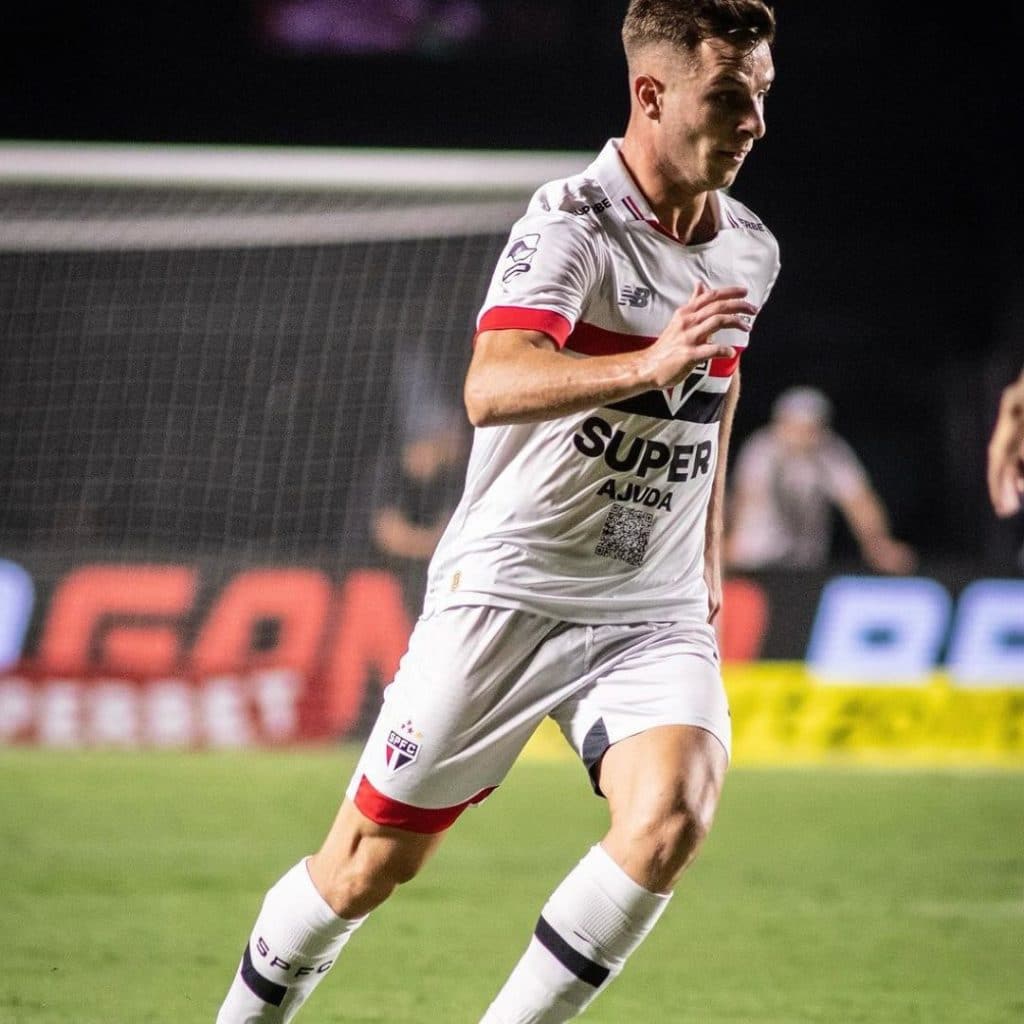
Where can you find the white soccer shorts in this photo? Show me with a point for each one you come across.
(476, 682)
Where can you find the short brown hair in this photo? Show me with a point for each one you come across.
(687, 23)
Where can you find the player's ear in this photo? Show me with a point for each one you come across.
(647, 91)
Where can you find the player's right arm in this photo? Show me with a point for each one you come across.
(520, 376)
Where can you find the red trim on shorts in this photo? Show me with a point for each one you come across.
(518, 318)
(394, 814)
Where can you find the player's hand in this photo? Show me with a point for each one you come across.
(689, 337)
(713, 579)
(1006, 452)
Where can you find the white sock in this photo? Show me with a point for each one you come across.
(294, 943)
(588, 928)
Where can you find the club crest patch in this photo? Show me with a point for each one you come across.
(677, 395)
(402, 746)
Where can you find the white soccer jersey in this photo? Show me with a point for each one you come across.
(599, 516)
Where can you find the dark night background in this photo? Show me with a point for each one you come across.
(888, 175)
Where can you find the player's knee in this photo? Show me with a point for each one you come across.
(677, 838)
(355, 890)
(668, 838)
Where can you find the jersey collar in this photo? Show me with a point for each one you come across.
(625, 195)
(629, 203)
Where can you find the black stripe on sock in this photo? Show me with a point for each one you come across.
(267, 990)
(584, 969)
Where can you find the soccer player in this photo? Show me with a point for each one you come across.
(1006, 452)
(580, 576)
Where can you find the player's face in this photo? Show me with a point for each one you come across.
(713, 113)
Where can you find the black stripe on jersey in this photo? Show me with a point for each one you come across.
(265, 989)
(584, 969)
(699, 407)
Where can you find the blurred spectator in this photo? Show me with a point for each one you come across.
(788, 478)
(408, 524)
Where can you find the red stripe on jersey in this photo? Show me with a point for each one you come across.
(591, 340)
(394, 814)
(519, 318)
(724, 367)
(596, 341)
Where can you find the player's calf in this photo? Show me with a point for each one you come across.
(311, 913)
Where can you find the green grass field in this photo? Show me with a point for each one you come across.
(130, 882)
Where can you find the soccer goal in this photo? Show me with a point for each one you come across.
(220, 349)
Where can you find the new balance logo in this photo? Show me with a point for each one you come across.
(635, 296)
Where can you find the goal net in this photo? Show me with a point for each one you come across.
(210, 350)
(216, 360)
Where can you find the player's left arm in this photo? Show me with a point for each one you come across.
(714, 527)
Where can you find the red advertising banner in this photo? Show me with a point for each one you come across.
(160, 655)
(281, 654)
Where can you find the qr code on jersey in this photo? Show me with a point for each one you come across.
(625, 534)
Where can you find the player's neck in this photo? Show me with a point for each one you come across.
(687, 216)
(692, 222)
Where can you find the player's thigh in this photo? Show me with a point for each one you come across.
(669, 773)
(646, 678)
(470, 691)
(663, 787)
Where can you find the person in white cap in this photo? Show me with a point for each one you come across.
(789, 477)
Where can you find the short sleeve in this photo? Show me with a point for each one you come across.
(756, 463)
(845, 474)
(543, 277)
